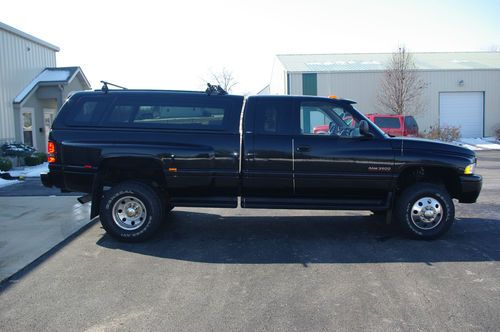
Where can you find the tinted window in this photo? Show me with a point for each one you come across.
(272, 116)
(179, 115)
(121, 114)
(170, 114)
(86, 112)
(383, 122)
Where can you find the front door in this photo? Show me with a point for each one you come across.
(340, 164)
(48, 118)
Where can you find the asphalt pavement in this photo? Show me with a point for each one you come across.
(273, 270)
(32, 186)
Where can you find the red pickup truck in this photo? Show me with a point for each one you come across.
(394, 125)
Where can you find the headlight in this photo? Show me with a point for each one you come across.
(470, 169)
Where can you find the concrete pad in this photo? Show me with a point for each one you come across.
(31, 226)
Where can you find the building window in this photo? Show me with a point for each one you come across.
(310, 84)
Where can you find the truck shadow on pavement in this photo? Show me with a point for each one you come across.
(211, 238)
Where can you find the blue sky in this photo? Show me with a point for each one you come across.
(175, 44)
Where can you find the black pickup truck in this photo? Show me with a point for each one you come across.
(139, 153)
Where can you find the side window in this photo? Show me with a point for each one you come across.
(272, 117)
(168, 115)
(320, 118)
(180, 116)
(86, 113)
(313, 120)
(120, 114)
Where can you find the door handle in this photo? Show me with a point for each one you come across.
(303, 149)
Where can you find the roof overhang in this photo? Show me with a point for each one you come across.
(29, 37)
(52, 77)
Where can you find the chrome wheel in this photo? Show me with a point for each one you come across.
(129, 213)
(426, 213)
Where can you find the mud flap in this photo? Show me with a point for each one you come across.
(96, 196)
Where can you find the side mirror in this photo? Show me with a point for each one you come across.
(364, 128)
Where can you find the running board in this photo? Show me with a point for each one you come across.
(316, 204)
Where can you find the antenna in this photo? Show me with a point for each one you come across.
(105, 86)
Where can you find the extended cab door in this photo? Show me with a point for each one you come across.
(267, 149)
(341, 165)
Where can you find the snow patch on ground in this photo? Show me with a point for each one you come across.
(487, 143)
(26, 171)
(5, 183)
(30, 171)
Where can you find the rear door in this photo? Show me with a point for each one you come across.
(267, 149)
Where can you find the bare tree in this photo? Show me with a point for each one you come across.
(401, 88)
(493, 48)
(224, 78)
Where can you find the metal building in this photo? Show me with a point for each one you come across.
(32, 88)
(463, 88)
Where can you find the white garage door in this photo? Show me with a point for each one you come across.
(464, 110)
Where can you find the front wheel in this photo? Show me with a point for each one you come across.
(425, 211)
(131, 211)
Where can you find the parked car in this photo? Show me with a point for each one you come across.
(139, 153)
(395, 125)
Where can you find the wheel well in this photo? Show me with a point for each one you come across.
(119, 169)
(437, 175)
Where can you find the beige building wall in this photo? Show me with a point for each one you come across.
(21, 60)
(278, 82)
(363, 88)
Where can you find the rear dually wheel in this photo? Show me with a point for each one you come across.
(131, 211)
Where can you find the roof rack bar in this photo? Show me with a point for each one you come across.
(105, 86)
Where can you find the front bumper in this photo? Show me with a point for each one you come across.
(470, 188)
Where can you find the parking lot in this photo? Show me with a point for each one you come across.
(278, 270)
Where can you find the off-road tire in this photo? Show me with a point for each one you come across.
(133, 191)
(410, 198)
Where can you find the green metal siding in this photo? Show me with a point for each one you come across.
(310, 84)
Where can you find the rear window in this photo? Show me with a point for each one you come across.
(272, 116)
(384, 122)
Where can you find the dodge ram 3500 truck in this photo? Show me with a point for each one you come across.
(139, 153)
